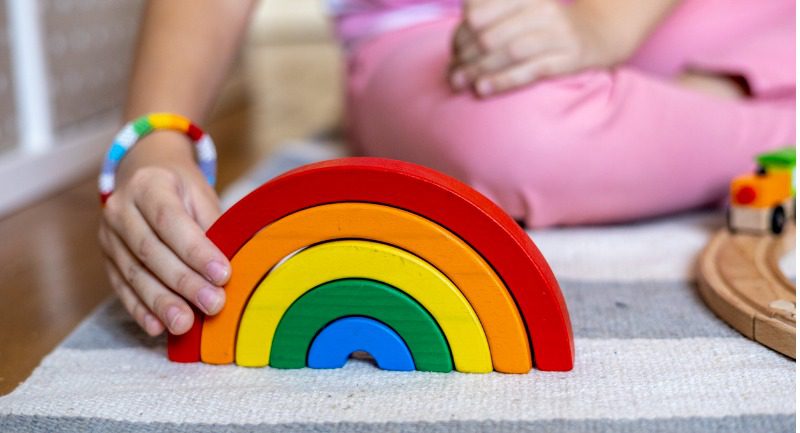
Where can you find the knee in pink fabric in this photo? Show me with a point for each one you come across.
(516, 148)
(594, 147)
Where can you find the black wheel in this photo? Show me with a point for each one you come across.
(778, 220)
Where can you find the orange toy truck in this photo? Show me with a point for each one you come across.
(762, 202)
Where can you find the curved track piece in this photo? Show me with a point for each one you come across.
(740, 281)
(437, 197)
(354, 297)
(337, 341)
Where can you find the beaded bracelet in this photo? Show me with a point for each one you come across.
(134, 131)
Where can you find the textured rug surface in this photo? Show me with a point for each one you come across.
(650, 357)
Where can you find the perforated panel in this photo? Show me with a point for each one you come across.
(90, 45)
(8, 127)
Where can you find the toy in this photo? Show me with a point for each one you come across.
(338, 340)
(479, 283)
(421, 234)
(355, 297)
(739, 278)
(740, 281)
(332, 261)
(764, 201)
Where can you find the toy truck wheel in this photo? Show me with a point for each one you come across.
(778, 220)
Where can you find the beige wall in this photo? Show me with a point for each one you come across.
(293, 68)
(295, 20)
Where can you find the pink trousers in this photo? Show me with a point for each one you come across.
(595, 147)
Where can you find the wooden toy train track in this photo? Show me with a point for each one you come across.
(741, 282)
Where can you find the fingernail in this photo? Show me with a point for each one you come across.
(175, 318)
(217, 273)
(151, 324)
(210, 299)
(484, 87)
(458, 80)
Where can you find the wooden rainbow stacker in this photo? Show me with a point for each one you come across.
(400, 261)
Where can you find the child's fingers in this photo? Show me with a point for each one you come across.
(132, 303)
(470, 52)
(465, 51)
(510, 39)
(168, 267)
(491, 62)
(523, 50)
(461, 38)
(169, 307)
(205, 209)
(532, 44)
(481, 13)
(164, 211)
(520, 75)
(465, 45)
(509, 28)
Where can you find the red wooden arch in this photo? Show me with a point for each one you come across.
(440, 198)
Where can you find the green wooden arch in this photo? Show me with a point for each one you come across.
(359, 297)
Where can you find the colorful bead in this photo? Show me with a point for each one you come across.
(134, 131)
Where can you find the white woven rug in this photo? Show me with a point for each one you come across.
(650, 357)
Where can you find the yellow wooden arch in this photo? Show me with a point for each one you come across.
(362, 259)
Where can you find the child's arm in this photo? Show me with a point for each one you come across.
(503, 44)
(153, 225)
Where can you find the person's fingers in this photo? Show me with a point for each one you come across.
(465, 44)
(521, 50)
(463, 72)
(167, 267)
(465, 51)
(460, 39)
(509, 40)
(470, 52)
(511, 27)
(520, 75)
(532, 44)
(205, 208)
(165, 211)
(481, 13)
(170, 308)
(489, 63)
(132, 303)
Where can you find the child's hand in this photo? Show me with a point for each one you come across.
(504, 44)
(153, 236)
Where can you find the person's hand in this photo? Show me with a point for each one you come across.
(505, 44)
(153, 235)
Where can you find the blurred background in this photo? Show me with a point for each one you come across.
(64, 68)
